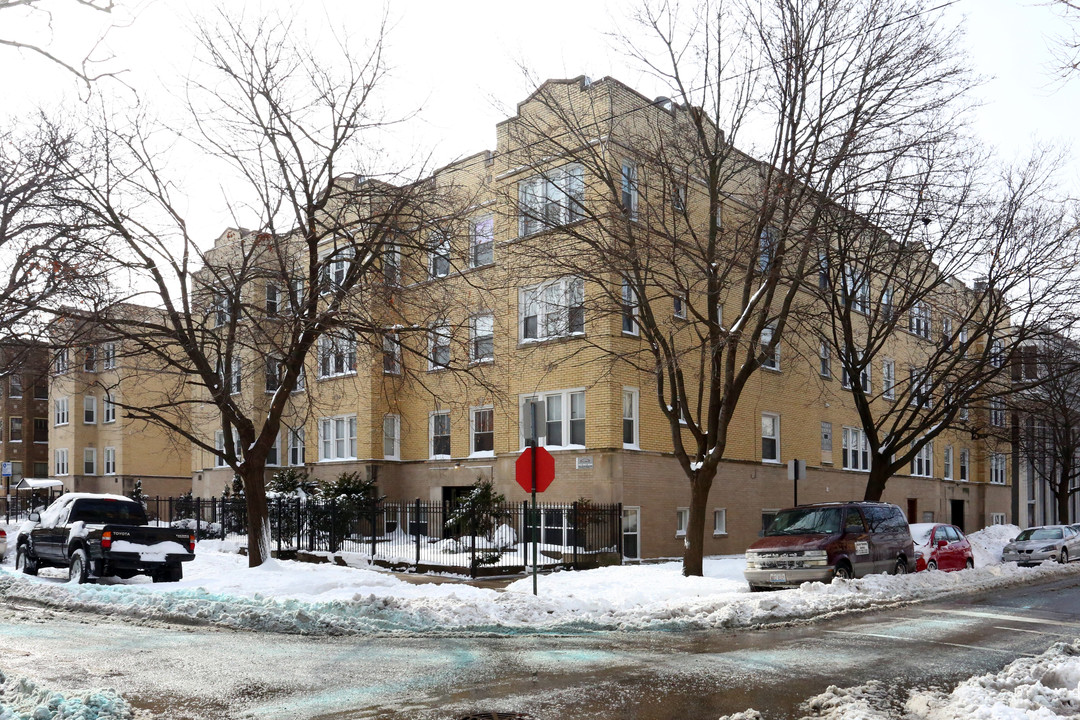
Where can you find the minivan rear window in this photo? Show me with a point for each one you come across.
(805, 521)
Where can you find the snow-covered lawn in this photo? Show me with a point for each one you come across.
(296, 597)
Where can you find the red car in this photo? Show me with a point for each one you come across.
(941, 547)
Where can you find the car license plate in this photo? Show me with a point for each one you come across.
(777, 577)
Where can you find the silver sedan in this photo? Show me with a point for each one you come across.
(1038, 544)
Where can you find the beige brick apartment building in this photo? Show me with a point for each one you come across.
(427, 418)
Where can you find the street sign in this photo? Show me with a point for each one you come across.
(5, 469)
(545, 469)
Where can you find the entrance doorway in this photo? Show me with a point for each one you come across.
(631, 533)
(956, 513)
(912, 510)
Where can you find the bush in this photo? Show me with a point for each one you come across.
(478, 513)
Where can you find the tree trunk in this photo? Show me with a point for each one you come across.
(1061, 494)
(694, 550)
(258, 525)
(875, 483)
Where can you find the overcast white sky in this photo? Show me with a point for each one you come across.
(457, 63)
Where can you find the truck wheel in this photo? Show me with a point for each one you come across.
(24, 563)
(79, 569)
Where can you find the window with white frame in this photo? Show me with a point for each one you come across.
(555, 198)
(920, 387)
(997, 353)
(997, 468)
(440, 434)
(922, 464)
(855, 358)
(60, 461)
(678, 307)
(682, 521)
(89, 461)
(823, 270)
(219, 446)
(273, 373)
(109, 459)
(391, 262)
(90, 359)
(221, 307)
(391, 354)
(856, 290)
(234, 379)
(719, 521)
(61, 364)
(629, 178)
(772, 359)
(856, 450)
(553, 309)
(108, 356)
(964, 465)
(273, 298)
(767, 245)
(825, 356)
(482, 430)
(108, 408)
(482, 338)
(391, 437)
(962, 338)
(629, 304)
(337, 354)
(887, 303)
(439, 346)
(273, 454)
(297, 450)
(630, 418)
(888, 378)
(483, 241)
(334, 270)
(770, 437)
(337, 436)
(60, 411)
(16, 433)
(997, 412)
(997, 518)
(947, 463)
(946, 333)
(89, 410)
(560, 418)
(919, 319)
(438, 254)
(15, 389)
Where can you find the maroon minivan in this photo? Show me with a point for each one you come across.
(825, 540)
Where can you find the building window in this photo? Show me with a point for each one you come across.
(296, 446)
(553, 309)
(922, 465)
(439, 351)
(719, 521)
(15, 389)
(90, 359)
(856, 291)
(965, 465)
(482, 340)
(440, 435)
(678, 308)
(825, 356)
(334, 270)
(483, 431)
(219, 446)
(41, 391)
(887, 303)
(919, 318)
(273, 299)
(108, 408)
(438, 254)
(337, 354)
(920, 388)
(629, 198)
(60, 411)
(856, 450)
(273, 454)
(391, 447)
(391, 263)
(823, 270)
(997, 353)
(947, 463)
(772, 359)
(682, 521)
(108, 356)
(888, 378)
(946, 333)
(483, 241)
(41, 430)
(826, 437)
(551, 200)
(89, 461)
(997, 412)
(560, 419)
(221, 308)
(89, 410)
(997, 468)
(232, 380)
(629, 308)
(273, 373)
(630, 419)
(15, 434)
(41, 469)
(997, 518)
(60, 361)
(770, 437)
(338, 437)
(767, 244)
(110, 461)
(391, 354)
(60, 459)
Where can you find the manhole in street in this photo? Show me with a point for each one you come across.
(496, 716)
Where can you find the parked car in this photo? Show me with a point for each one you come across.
(826, 540)
(1046, 542)
(3, 545)
(99, 536)
(941, 547)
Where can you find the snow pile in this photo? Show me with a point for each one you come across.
(1046, 687)
(22, 699)
(986, 544)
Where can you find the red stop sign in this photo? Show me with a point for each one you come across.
(545, 469)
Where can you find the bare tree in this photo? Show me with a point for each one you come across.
(699, 247)
(317, 276)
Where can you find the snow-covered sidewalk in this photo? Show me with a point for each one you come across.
(295, 597)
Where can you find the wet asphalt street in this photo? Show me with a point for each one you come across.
(194, 672)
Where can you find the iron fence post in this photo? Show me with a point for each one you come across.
(472, 542)
(574, 529)
(618, 531)
(278, 523)
(416, 519)
(374, 519)
(332, 545)
(198, 517)
(299, 524)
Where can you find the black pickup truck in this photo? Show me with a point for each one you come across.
(101, 536)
